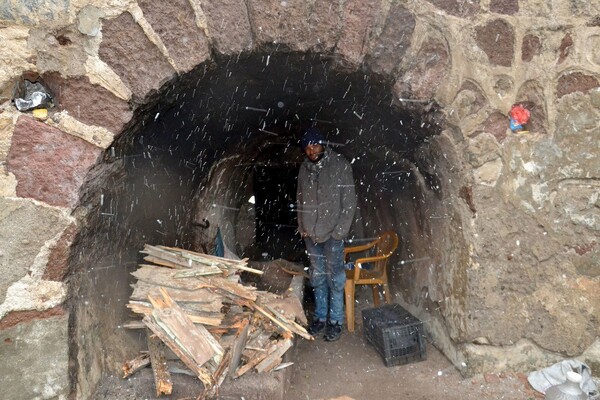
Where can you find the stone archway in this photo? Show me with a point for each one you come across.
(526, 202)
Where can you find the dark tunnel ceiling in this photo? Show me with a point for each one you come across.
(225, 104)
(223, 108)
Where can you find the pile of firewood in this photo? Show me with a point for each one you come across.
(194, 304)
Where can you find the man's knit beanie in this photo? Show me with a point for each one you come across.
(312, 136)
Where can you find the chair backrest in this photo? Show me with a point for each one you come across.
(386, 245)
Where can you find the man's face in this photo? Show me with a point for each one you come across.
(314, 152)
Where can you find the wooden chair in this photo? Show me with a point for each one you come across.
(380, 251)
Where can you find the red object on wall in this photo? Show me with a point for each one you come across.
(519, 114)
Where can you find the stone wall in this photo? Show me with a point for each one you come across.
(530, 261)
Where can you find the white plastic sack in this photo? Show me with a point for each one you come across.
(556, 374)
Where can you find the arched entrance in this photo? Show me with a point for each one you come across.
(207, 141)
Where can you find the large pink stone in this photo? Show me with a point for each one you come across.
(575, 82)
(459, 8)
(390, 47)
(496, 124)
(532, 46)
(128, 51)
(359, 19)
(89, 103)
(508, 7)
(229, 25)
(295, 25)
(428, 72)
(281, 22)
(497, 40)
(175, 22)
(324, 20)
(58, 259)
(49, 165)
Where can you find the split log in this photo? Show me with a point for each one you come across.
(258, 357)
(289, 305)
(258, 343)
(274, 359)
(160, 369)
(208, 259)
(159, 276)
(132, 366)
(193, 344)
(296, 328)
(272, 318)
(205, 297)
(282, 322)
(197, 271)
(203, 257)
(223, 369)
(239, 343)
(230, 289)
(163, 263)
(134, 325)
(159, 255)
(146, 309)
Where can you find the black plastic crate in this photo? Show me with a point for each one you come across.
(396, 334)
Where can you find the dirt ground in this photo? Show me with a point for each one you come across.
(351, 367)
(347, 369)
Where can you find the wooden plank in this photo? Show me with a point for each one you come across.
(247, 269)
(183, 355)
(232, 289)
(296, 328)
(212, 259)
(194, 339)
(139, 324)
(201, 330)
(271, 317)
(274, 359)
(239, 343)
(167, 256)
(197, 271)
(258, 357)
(163, 277)
(222, 370)
(163, 263)
(259, 341)
(269, 364)
(146, 309)
(162, 377)
(187, 258)
(141, 291)
(132, 366)
(288, 305)
(202, 256)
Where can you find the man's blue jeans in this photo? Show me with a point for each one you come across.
(327, 277)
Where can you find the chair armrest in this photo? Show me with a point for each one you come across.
(357, 249)
(365, 260)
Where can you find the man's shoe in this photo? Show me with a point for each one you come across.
(334, 331)
(316, 327)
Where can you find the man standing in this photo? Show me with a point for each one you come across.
(326, 206)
